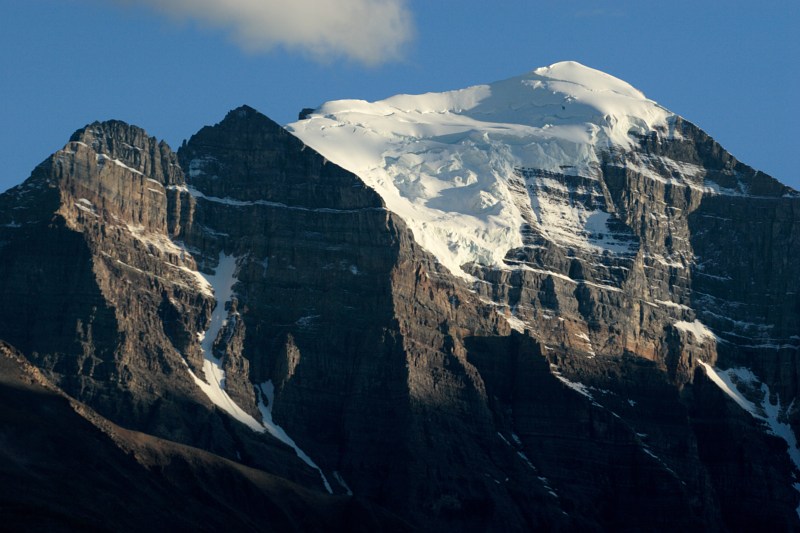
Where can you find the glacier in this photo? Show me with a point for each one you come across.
(448, 163)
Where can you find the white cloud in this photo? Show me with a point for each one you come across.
(367, 31)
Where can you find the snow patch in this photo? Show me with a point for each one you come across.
(580, 388)
(524, 266)
(515, 323)
(733, 380)
(156, 240)
(267, 392)
(503, 439)
(526, 460)
(699, 330)
(673, 305)
(307, 321)
(341, 482)
(103, 158)
(196, 166)
(86, 206)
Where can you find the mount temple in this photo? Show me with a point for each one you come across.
(546, 303)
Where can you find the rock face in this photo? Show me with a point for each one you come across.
(252, 302)
(100, 298)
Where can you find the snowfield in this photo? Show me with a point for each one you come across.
(447, 162)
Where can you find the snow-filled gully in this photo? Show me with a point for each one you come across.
(221, 284)
(764, 411)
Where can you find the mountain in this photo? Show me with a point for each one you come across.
(545, 303)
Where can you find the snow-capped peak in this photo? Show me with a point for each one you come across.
(443, 161)
(588, 78)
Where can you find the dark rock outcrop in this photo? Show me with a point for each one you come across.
(66, 468)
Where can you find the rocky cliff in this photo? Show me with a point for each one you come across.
(251, 301)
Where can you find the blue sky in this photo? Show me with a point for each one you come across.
(731, 67)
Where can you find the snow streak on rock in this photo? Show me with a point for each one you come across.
(266, 391)
(222, 282)
(213, 386)
(699, 330)
(736, 382)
